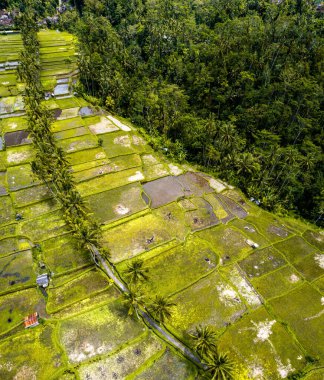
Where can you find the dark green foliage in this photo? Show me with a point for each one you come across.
(204, 340)
(136, 271)
(219, 366)
(50, 163)
(235, 84)
(161, 308)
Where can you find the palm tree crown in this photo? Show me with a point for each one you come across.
(219, 366)
(161, 308)
(136, 271)
(205, 340)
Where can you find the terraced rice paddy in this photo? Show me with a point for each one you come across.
(192, 231)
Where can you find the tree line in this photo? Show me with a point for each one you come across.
(50, 163)
(234, 86)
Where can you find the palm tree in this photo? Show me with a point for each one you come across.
(134, 299)
(204, 339)
(136, 271)
(161, 308)
(219, 366)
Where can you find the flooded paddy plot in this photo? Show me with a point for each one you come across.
(15, 306)
(216, 205)
(278, 282)
(178, 267)
(295, 248)
(262, 261)
(302, 309)
(32, 355)
(123, 362)
(163, 190)
(61, 89)
(265, 346)
(77, 289)
(16, 271)
(87, 111)
(134, 237)
(230, 244)
(17, 138)
(233, 207)
(98, 332)
(7, 212)
(210, 301)
(194, 184)
(168, 366)
(117, 203)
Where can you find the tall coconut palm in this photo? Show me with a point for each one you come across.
(134, 299)
(219, 366)
(204, 340)
(136, 271)
(161, 308)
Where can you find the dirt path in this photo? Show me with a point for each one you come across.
(146, 317)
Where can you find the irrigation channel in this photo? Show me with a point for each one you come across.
(176, 343)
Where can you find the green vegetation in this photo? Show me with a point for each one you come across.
(182, 237)
(233, 86)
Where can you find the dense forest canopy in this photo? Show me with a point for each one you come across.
(232, 85)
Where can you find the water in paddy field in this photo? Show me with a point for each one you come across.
(61, 89)
(16, 138)
(62, 80)
(86, 111)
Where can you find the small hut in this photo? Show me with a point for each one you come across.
(42, 280)
(31, 320)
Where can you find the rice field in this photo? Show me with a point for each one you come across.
(193, 232)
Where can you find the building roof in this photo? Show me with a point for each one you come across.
(31, 320)
(42, 280)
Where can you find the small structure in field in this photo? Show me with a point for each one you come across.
(252, 243)
(42, 280)
(31, 320)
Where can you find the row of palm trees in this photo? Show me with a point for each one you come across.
(218, 365)
(50, 163)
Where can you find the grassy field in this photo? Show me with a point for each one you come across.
(192, 232)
